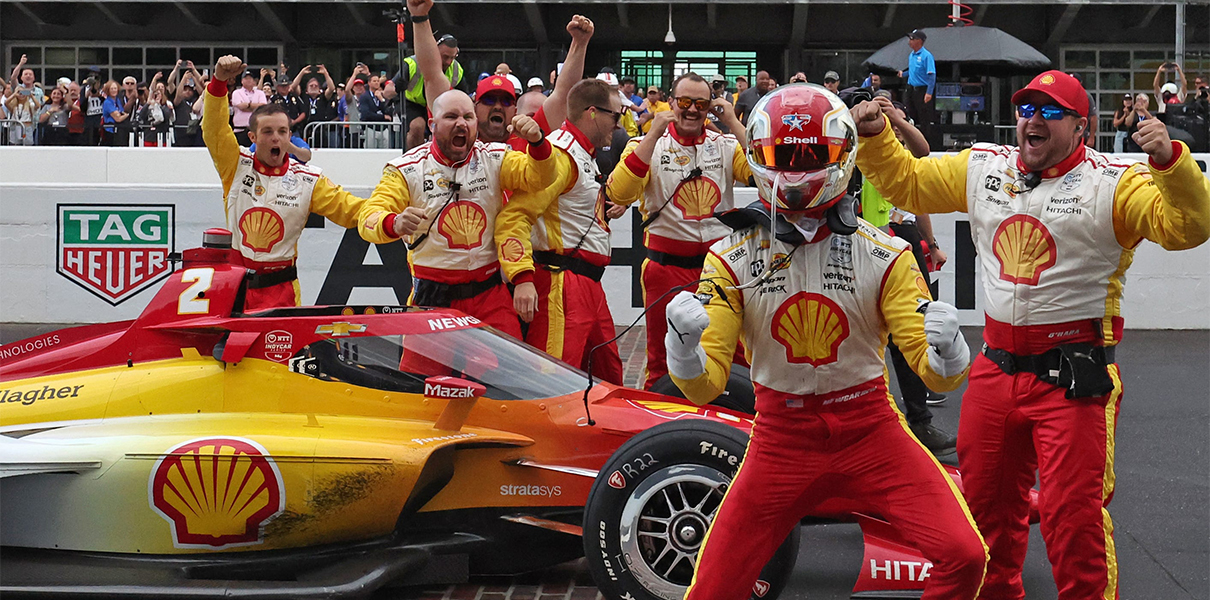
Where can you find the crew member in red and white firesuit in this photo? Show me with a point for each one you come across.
(554, 244)
(682, 173)
(496, 101)
(1055, 224)
(814, 303)
(444, 196)
(267, 196)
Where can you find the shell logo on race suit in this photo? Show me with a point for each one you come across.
(811, 327)
(262, 229)
(512, 250)
(463, 225)
(217, 492)
(697, 198)
(115, 250)
(1024, 248)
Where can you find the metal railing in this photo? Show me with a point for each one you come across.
(13, 133)
(354, 134)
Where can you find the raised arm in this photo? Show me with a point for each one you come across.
(294, 89)
(428, 57)
(329, 85)
(532, 170)
(701, 340)
(216, 127)
(555, 106)
(919, 185)
(1167, 201)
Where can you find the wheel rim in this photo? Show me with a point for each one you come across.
(664, 523)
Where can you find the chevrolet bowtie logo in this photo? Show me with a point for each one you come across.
(340, 329)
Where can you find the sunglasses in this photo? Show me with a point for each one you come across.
(617, 115)
(494, 99)
(1050, 112)
(685, 102)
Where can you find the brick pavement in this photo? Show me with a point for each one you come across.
(569, 581)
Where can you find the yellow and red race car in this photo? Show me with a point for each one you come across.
(198, 451)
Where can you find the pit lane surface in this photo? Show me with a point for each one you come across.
(1161, 508)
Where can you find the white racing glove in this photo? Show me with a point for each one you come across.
(948, 353)
(687, 320)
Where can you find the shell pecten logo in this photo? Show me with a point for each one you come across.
(512, 250)
(261, 229)
(217, 492)
(811, 327)
(697, 198)
(463, 225)
(1024, 248)
(1047, 79)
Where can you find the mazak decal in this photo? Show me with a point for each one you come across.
(279, 345)
(216, 492)
(115, 250)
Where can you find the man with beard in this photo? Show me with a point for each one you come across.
(267, 196)
(496, 100)
(443, 197)
(682, 173)
(1055, 225)
(554, 243)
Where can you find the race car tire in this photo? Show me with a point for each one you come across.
(694, 460)
(739, 395)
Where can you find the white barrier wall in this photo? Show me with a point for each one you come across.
(48, 274)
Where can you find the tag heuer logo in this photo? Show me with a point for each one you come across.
(115, 250)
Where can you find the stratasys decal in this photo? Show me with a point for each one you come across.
(216, 492)
(545, 491)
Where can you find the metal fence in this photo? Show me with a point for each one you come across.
(13, 133)
(354, 134)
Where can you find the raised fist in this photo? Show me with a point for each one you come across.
(419, 8)
(869, 119)
(527, 128)
(580, 28)
(228, 68)
(1152, 137)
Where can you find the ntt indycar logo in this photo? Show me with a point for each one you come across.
(544, 491)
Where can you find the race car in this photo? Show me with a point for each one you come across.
(200, 451)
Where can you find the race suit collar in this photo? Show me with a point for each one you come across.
(1065, 165)
(686, 141)
(580, 138)
(436, 150)
(264, 169)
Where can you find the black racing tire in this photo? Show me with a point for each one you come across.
(697, 458)
(738, 396)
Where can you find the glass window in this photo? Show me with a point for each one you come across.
(94, 56)
(127, 56)
(262, 56)
(52, 75)
(1088, 78)
(1079, 59)
(60, 56)
(1143, 81)
(199, 56)
(234, 52)
(1149, 59)
(161, 56)
(1115, 81)
(33, 55)
(1115, 59)
(508, 369)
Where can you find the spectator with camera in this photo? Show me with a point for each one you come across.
(53, 117)
(1119, 123)
(186, 122)
(157, 116)
(1169, 92)
(22, 106)
(1141, 112)
(92, 98)
(319, 104)
(23, 79)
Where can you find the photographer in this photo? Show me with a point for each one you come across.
(1172, 92)
(186, 121)
(718, 89)
(93, 99)
(1140, 113)
(1119, 123)
(22, 106)
(157, 117)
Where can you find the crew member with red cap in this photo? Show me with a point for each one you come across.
(1055, 225)
(682, 173)
(554, 243)
(495, 96)
(815, 292)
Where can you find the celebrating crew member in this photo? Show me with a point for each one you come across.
(814, 303)
(495, 96)
(1055, 225)
(444, 197)
(266, 195)
(679, 196)
(554, 243)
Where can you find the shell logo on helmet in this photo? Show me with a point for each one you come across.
(1025, 249)
(261, 229)
(463, 225)
(697, 198)
(811, 327)
(217, 492)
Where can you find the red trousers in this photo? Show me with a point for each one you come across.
(494, 307)
(277, 296)
(858, 448)
(573, 318)
(1012, 426)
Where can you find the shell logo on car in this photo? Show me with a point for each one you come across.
(811, 327)
(697, 198)
(1025, 249)
(262, 228)
(217, 492)
(463, 225)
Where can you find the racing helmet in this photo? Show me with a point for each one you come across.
(802, 147)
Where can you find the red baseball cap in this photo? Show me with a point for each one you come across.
(495, 83)
(1064, 89)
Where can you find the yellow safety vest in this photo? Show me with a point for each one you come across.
(415, 91)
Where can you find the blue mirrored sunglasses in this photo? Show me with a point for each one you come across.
(1050, 112)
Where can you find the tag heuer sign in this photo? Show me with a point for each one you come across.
(115, 250)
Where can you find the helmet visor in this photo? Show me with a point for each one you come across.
(799, 156)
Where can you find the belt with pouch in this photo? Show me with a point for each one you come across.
(264, 279)
(426, 292)
(1081, 368)
(556, 262)
(675, 260)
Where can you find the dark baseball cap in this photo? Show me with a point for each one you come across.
(831, 76)
(283, 80)
(250, 73)
(916, 34)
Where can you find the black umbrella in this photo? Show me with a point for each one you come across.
(965, 45)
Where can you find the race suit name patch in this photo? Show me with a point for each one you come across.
(46, 392)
